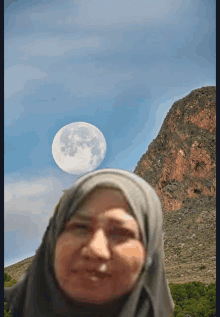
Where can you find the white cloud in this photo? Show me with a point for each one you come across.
(28, 205)
(27, 189)
(13, 111)
(17, 76)
(90, 80)
(8, 196)
(109, 14)
(56, 47)
(121, 13)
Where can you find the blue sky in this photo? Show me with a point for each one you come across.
(118, 65)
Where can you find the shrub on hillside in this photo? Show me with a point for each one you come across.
(7, 312)
(194, 299)
(8, 281)
(7, 277)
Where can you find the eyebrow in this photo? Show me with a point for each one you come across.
(89, 218)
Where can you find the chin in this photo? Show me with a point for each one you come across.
(90, 300)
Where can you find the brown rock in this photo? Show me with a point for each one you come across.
(181, 162)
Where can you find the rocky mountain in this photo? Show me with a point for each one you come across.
(181, 162)
(181, 165)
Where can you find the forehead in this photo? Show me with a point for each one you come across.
(110, 201)
(105, 194)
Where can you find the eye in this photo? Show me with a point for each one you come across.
(80, 228)
(121, 233)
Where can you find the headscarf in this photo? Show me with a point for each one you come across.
(37, 293)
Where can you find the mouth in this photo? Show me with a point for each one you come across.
(93, 275)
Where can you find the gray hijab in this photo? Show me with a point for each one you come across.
(37, 293)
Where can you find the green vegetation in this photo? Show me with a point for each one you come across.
(202, 267)
(7, 312)
(192, 299)
(8, 281)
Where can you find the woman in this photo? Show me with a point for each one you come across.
(101, 255)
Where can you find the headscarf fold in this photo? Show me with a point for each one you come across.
(38, 294)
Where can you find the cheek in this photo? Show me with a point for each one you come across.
(64, 251)
(131, 255)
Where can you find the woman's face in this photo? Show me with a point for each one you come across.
(101, 232)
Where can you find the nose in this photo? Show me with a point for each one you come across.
(98, 246)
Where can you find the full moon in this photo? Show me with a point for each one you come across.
(78, 148)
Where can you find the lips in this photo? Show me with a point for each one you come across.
(92, 274)
(98, 274)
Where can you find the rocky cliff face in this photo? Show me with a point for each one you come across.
(181, 162)
(181, 165)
